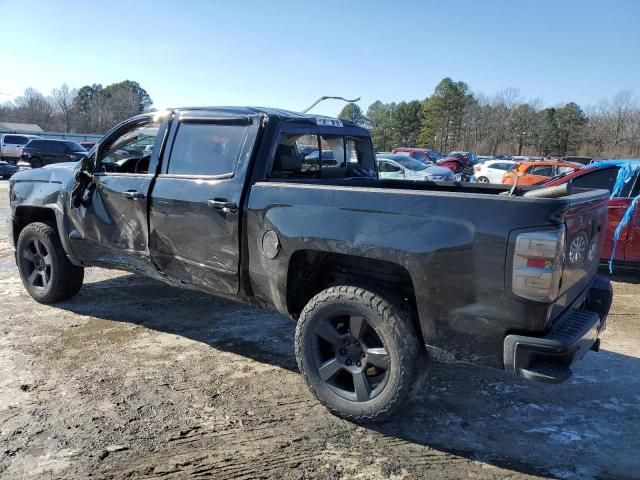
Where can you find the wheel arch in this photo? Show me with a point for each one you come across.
(49, 214)
(311, 271)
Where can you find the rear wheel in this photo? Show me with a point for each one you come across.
(483, 180)
(45, 270)
(358, 352)
(35, 162)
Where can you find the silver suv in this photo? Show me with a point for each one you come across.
(12, 143)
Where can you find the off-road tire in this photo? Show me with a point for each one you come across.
(391, 320)
(65, 279)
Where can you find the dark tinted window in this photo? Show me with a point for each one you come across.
(55, 147)
(35, 143)
(206, 149)
(544, 170)
(74, 146)
(15, 139)
(604, 178)
(386, 167)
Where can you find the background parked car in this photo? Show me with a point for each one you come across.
(604, 175)
(403, 167)
(537, 171)
(492, 171)
(11, 144)
(87, 145)
(422, 154)
(7, 169)
(460, 163)
(39, 153)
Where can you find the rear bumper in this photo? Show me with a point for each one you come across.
(549, 358)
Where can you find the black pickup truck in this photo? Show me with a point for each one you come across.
(381, 275)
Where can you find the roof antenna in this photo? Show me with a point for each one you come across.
(329, 98)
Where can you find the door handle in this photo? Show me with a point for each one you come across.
(133, 194)
(223, 205)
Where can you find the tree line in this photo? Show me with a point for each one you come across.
(454, 118)
(90, 109)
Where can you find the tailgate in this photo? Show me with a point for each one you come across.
(586, 226)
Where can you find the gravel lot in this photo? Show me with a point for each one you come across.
(136, 379)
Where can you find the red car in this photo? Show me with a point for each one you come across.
(423, 155)
(460, 163)
(604, 176)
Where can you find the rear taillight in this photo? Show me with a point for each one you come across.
(477, 168)
(537, 264)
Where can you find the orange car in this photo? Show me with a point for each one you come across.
(530, 173)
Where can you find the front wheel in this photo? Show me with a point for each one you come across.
(358, 352)
(45, 270)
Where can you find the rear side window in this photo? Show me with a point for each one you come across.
(324, 156)
(206, 149)
(604, 178)
(55, 147)
(504, 166)
(35, 144)
(15, 140)
(543, 170)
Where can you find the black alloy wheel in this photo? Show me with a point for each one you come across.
(37, 263)
(351, 358)
(359, 351)
(45, 270)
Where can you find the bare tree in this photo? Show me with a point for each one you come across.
(63, 102)
(33, 107)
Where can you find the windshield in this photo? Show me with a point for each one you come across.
(411, 163)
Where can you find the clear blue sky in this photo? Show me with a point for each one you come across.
(288, 53)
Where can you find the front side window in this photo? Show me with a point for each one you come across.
(206, 149)
(130, 152)
(388, 167)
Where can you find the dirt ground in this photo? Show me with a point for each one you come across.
(136, 379)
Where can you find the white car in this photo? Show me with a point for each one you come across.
(403, 167)
(12, 143)
(492, 171)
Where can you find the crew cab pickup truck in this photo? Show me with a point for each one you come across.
(380, 275)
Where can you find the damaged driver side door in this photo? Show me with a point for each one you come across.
(111, 220)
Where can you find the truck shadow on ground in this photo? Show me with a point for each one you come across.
(585, 428)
